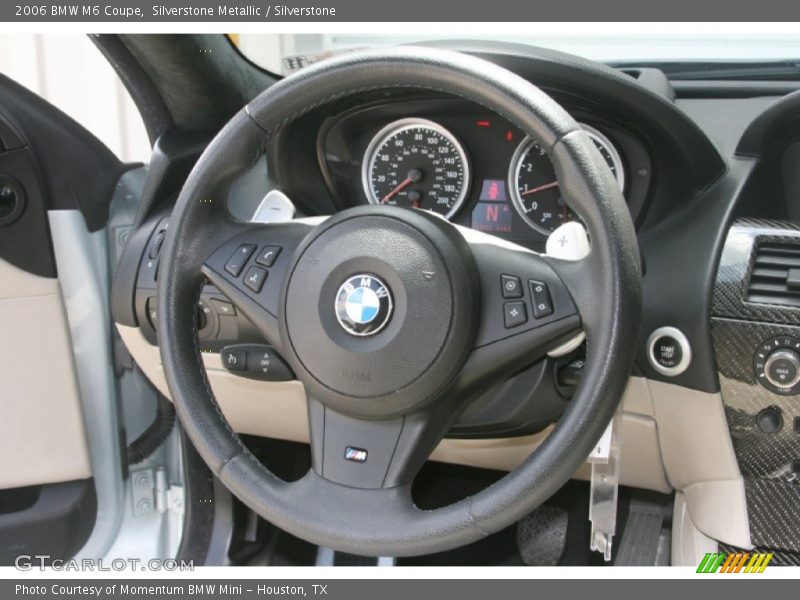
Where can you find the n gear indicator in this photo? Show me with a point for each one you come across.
(492, 213)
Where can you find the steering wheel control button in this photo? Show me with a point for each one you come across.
(363, 305)
(234, 360)
(155, 245)
(256, 361)
(222, 307)
(267, 256)
(512, 286)
(255, 278)
(239, 259)
(770, 420)
(150, 309)
(540, 296)
(669, 351)
(777, 365)
(515, 314)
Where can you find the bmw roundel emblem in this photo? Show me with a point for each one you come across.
(363, 305)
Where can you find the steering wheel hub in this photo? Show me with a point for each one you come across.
(380, 309)
(363, 305)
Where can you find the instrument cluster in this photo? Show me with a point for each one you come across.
(473, 168)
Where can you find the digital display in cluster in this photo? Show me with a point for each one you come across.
(492, 213)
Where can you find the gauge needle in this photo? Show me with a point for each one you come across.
(540, 188)
(403, 184)
(414, 175)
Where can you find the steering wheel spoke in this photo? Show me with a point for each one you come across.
(370, 453)
(251, 267)
(526, 309)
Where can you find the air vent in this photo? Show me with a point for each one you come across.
(776, 275)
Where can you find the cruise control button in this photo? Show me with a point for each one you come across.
(239, 259)
(255, 278)
(268, 365)
(234, 360)
(540, 296)
(512, 286)
(515, 314)
(268, 255)
(222, 307)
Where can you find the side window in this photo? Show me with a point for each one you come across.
(68, 71)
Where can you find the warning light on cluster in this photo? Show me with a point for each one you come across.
(483, 123)
(509, 136)
(493, 190)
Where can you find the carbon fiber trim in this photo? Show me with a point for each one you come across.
(736, 264)
(759, 454)
(738, 328)
(774, 512)
(779, 557)
(766, 460)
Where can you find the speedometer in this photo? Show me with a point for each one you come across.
(534, 186)
(416, 163)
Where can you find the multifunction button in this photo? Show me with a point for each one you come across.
(234, 360)
(268, 255)
(540, 296)
(256, 361)
(239, 259)
(515, 314)
(255, 278)
(222, 307)
(512, 286)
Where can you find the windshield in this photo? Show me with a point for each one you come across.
(701, 44)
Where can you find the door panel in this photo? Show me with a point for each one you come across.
(42, 436)
(49, 496)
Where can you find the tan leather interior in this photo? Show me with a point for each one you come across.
(42, 433)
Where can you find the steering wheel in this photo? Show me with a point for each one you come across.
(393, 319)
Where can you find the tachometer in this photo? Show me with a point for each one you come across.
(416, 163)
(534, 186)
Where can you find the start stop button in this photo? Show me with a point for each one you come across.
(668, 351)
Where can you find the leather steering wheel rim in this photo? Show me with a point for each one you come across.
(605, 285)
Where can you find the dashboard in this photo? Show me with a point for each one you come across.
(470, 166)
